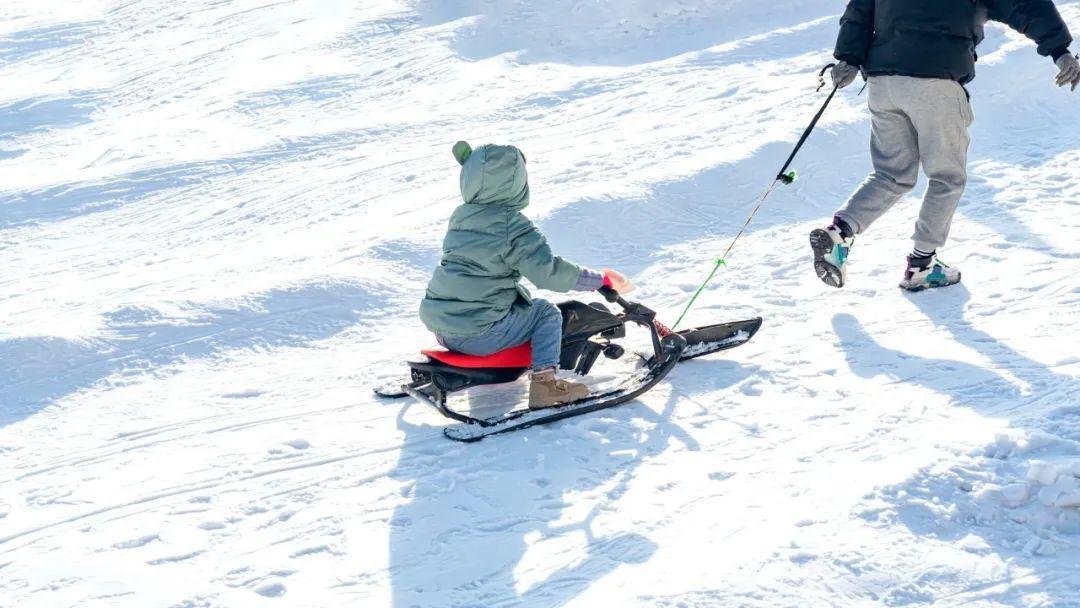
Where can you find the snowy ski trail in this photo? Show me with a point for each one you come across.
(217, 219)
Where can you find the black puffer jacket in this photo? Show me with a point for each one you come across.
(937, 38)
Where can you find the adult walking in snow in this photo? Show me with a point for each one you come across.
(916, 56)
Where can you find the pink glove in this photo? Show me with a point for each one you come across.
(617, 281)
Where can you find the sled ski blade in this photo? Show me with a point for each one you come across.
(391, 390)
(629, 390)
(701, 341)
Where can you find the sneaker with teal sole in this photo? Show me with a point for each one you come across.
(928, 274)
(831, 252)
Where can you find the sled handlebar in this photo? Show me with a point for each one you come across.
(643, 315)
(630, 307)
(612, 296)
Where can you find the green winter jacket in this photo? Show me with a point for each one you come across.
(488, 247)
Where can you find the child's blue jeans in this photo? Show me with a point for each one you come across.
(542, 324)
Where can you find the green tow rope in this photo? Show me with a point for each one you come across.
(784, 177)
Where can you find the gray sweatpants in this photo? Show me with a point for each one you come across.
(914, 120)
(541, 323)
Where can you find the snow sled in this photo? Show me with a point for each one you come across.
(589, 331)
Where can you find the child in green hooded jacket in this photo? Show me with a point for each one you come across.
(475, 303)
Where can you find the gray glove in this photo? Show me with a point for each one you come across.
(1070, 71)
(843, 74)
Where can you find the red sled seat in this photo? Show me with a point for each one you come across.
(517, 356)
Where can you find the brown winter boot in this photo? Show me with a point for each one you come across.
(546, 391)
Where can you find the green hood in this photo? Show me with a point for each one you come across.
(494, 175)
(489, 246)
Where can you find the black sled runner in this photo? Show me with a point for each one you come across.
(589, 331)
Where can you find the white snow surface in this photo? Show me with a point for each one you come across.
(217, 219)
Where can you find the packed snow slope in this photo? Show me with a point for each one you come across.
(217, 219)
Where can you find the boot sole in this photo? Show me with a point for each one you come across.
(822, 244)
(569, 399)
(925, 287)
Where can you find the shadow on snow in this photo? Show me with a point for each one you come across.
(68, 201)
(477, 514)
(948, 505)
(39, 114)
(577, 33)
(20, 46)
(37, 371)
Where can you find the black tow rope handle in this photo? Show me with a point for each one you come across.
(784, 176)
